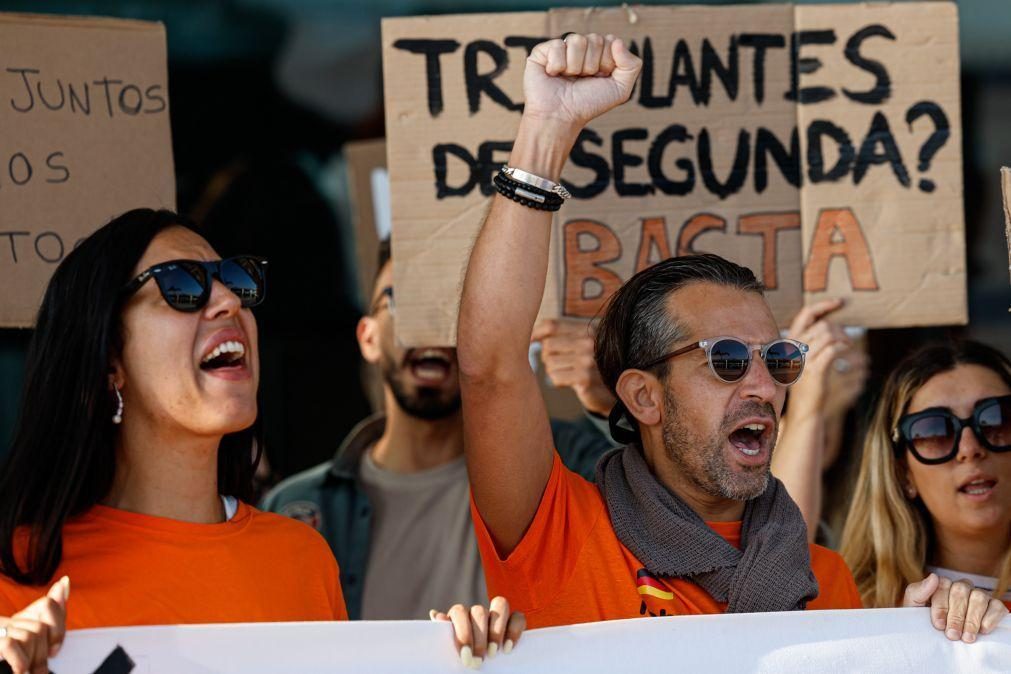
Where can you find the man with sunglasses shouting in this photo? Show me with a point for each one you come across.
(685, 519)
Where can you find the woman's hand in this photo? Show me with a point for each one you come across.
(35, 634)
(483, 632)
(959, 609)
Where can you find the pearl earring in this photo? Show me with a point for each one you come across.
(117, 418)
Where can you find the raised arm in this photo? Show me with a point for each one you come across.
(507, 436)
(799, 459)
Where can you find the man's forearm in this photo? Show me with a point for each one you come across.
(508, 265)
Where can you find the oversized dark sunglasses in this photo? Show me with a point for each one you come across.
(186, 284)
(933, 435)
(729, 358)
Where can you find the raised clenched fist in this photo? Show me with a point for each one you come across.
(574, 80)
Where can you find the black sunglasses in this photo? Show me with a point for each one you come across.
(186, 284)
(729, 358)
(933, 435)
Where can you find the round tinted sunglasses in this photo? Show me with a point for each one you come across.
(729, 358)
(186, 284)
(933, 435)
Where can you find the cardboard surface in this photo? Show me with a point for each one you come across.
(820, 145)
(364, 159)
(1005, 190)
(84, 109)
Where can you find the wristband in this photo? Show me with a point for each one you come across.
(526, 195)
(538, 182)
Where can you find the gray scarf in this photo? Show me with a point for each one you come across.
(772, 571)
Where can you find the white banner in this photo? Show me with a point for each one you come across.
(868, 641)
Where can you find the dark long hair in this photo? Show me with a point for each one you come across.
(62, 460)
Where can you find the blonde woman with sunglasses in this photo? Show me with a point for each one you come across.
(933, 497)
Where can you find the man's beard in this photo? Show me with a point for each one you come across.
(703, 460)
(429, 404)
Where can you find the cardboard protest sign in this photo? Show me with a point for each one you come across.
(367, 178)
(1005, 190)
(806, 142)
(84, 109)
(874, 641)
(453, 89)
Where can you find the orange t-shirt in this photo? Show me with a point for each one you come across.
(570, 566)
(132, 569)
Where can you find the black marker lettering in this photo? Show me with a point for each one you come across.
(51, 163)
(621, 159)
(729, 72)
(42, 97)
(153, 93)
(10, 237)
(75, 100)
(683, 61)
(738, 173)
(105, 82)
(596, 163)
(882, 88)
(478, 83)
(880, 134)
(59, 243)
(760, 42)
(675, 133)
(131, 90)
(28, 88)
(816, 172)
(788, 161)
(440, 154)
(488, 163)
(432, 50)
(805, 66)
(27, 168)
(646, 81)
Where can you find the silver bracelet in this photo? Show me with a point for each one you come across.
(538, 182)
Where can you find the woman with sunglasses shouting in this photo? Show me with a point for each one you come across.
(933, 497)
(135, 450)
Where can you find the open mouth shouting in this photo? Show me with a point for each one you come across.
(225, 356)
(429, 367)
(753, 440)
(978, 487)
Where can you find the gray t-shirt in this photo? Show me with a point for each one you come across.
(421, 530)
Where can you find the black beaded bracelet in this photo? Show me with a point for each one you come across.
(527, 195)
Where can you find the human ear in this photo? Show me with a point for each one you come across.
(642, 396)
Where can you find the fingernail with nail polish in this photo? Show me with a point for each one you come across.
(466, 656)
(492, 650)
(507, 647)
(476, 663)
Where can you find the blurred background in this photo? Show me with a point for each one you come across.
(264, 95)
